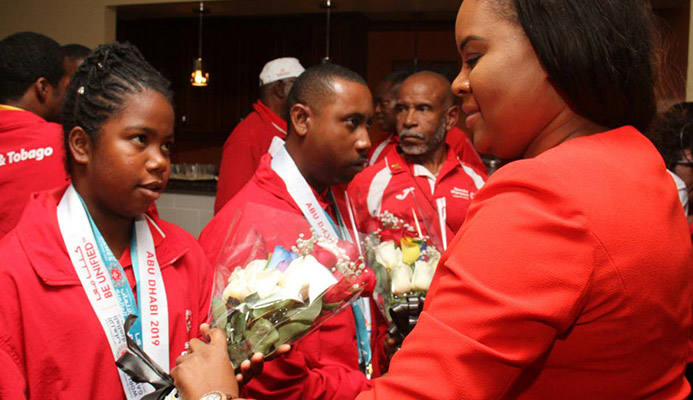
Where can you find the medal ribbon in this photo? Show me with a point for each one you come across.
(106, 286)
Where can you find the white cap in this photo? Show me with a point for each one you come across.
(280, 68)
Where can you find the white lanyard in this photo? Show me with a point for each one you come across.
(299, 190)
(99, 287)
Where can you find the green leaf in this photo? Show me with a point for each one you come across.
(306, 314)
(219, 312)
(292, 330)
(262, 336)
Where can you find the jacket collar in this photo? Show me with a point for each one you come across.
(269, 181)
(397, 164)
(270, 118)
(13, 117)
(39, 235)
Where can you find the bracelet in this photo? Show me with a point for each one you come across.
(216, 395)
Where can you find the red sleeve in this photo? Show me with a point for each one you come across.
(12, 380)
(488, 313)
(322, 365)
(240, 158)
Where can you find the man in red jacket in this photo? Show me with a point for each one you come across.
(32, 87)
(251, 138)
(329, 108)
(428, 176)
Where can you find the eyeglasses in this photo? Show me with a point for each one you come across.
(686, 143)
(686, 163)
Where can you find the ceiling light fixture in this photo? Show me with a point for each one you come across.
(199, 77)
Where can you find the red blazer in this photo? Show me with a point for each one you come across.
(571, 278)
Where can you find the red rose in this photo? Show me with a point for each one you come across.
(324, 257)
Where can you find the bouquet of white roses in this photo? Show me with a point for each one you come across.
(278, 296)
(404, 261)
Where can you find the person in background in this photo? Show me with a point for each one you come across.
(572, 274)
(386, 115)
(329, 109)
(32, 88)
(427, 169)
(386, 118)
(73, 56)
(674, 140)
(428, 176)
(251, 138)
(84, 256)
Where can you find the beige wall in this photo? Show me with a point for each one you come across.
(88, 22)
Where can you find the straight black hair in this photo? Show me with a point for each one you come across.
(599, 55)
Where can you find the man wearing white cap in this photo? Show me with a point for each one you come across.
(252, 137)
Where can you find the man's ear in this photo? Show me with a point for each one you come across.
(42, 88)
(80, 145)
(451, 116)
(301, 118)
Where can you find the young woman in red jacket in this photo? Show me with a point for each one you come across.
(85, 256)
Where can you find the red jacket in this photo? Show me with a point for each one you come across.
(243, 149)
(571, 278)
(52, 345)
(455, 138)
(397, 186)
(32, 158)
(323, 364)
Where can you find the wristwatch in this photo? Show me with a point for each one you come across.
(216, 395)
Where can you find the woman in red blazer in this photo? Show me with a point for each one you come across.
(571, 276)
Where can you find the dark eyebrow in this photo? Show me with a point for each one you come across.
(147, 130)
(467, 39)
(356, 115)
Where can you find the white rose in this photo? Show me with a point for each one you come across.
(266, 282)
(388, 255)
(423, 274)
(255, 267)
(307, 278)
(237, 285)
(296, 280)
(401, 278)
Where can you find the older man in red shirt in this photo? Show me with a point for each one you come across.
(251, 138)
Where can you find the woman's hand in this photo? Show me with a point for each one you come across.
(206, 367)
(253, 367)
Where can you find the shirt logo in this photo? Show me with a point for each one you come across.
(461, 193)
(404, 193)
(115, 274)
(13, 157)
(188, 320)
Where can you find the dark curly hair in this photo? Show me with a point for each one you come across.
(673, 133)
(98, 89)
(314, 86)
